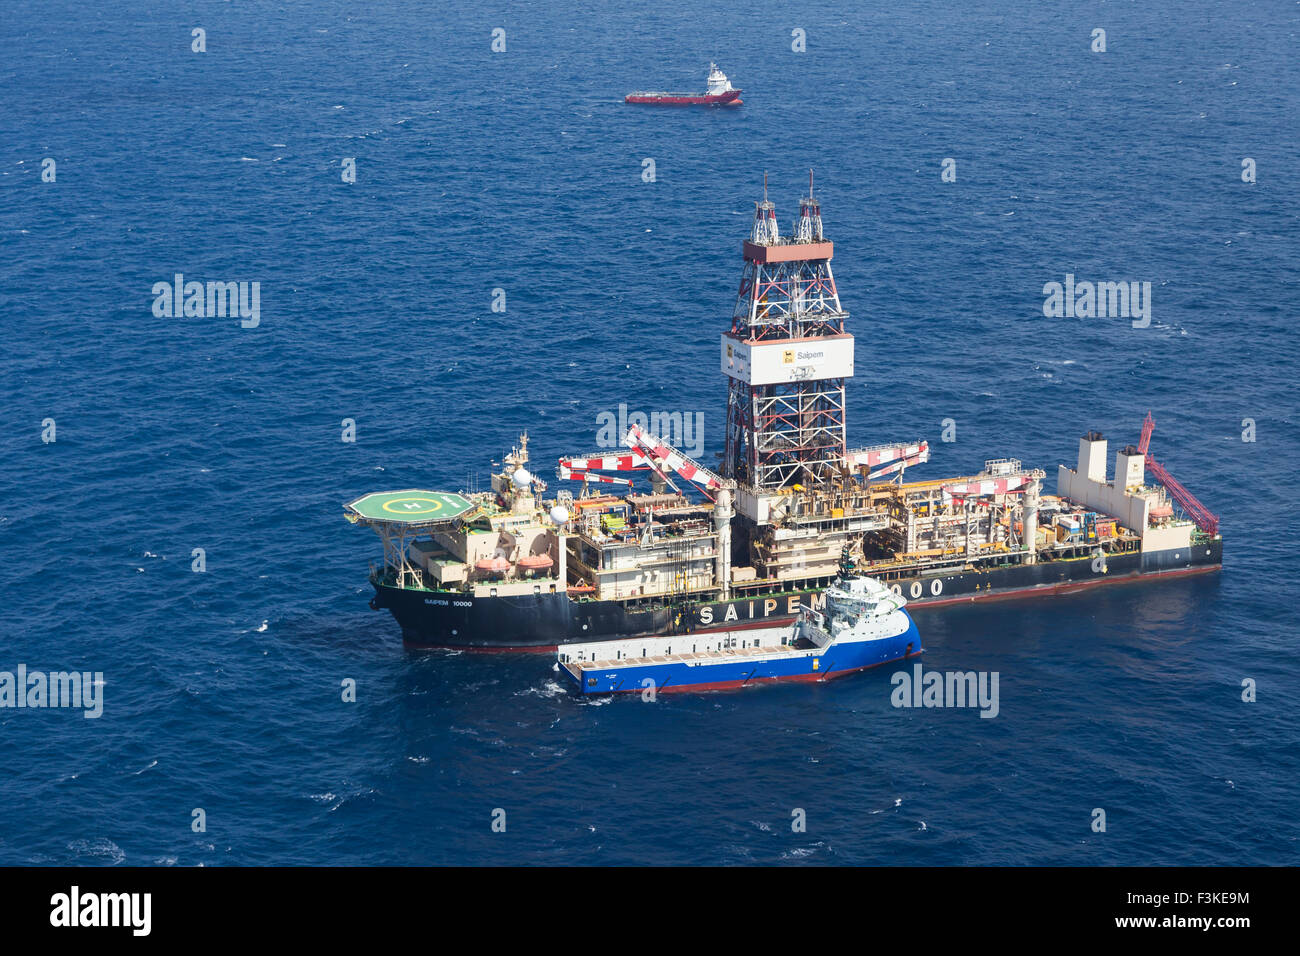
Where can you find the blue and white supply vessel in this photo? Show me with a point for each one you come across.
(864, 625)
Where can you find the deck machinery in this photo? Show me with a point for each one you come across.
(789, 508)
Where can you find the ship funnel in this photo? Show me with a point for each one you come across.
(1092, 457)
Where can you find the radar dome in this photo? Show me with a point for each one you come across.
(521, 478)
(559, 514)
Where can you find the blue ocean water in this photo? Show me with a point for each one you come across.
(522, 170)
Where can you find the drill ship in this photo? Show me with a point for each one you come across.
(789, 509)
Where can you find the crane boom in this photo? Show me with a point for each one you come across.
(571, 474)
(1204, 519)
(659, 452)
(901, 463)
(631, 460)
(1148, 426)
(988, 487)
(882, 459)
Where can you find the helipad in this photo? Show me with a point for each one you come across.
(412, 505)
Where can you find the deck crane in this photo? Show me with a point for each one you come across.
(1200, 515)
(646, 452)
(1014, 483)
(570, 474)
(881, 460)
(663, 457)
(584, 467)
(1005, 476)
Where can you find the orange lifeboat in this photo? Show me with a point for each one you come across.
(536, 562)
(492, 565)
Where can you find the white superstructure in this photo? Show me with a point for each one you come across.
(718, 82)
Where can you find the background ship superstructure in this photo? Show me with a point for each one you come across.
(746, 545)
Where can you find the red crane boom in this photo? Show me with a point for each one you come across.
(1148, 426)
(1201, 515)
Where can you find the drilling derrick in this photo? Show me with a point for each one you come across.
(804, 500)
(786, 356)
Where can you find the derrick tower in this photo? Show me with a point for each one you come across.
(786, 356)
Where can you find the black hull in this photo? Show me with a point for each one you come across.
(543, 622)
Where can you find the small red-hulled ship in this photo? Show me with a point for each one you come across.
(719, 93)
